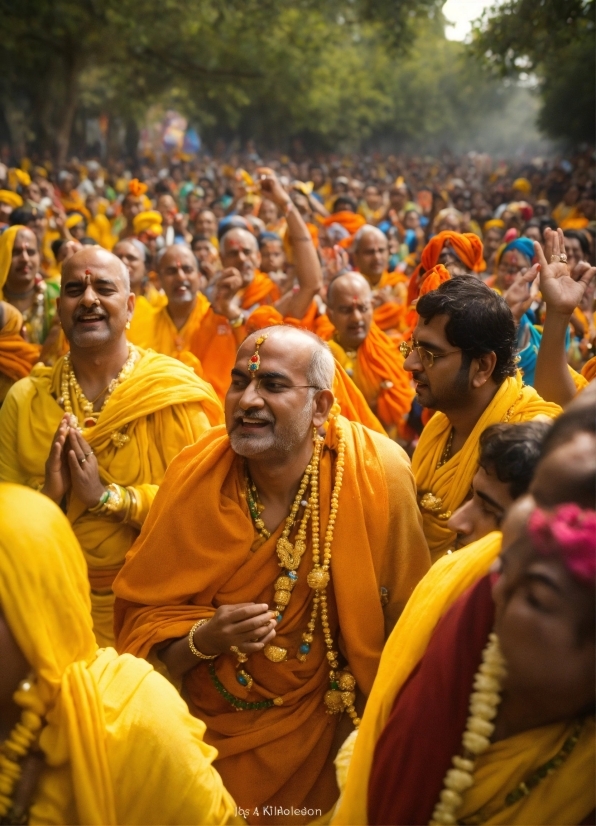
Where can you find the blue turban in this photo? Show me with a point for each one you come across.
(523, 245)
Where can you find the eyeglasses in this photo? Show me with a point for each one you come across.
(427, 358)
(266, 386)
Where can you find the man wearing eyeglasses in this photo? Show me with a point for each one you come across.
(274, 564)
(462, 360)
(366, 353)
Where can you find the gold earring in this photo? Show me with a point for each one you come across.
(128, 325)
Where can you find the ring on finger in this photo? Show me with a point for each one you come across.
(83, 460)
(91, 452)
(563, 258)
(555, 257)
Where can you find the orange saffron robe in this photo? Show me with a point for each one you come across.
(281, 755)
(17, 356)
(377, 370)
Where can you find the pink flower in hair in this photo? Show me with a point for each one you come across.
(570, 533)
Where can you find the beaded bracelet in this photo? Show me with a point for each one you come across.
(191, 642)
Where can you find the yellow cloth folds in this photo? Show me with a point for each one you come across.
(507, 762)
(153, 328)
(7, 196)
(160, 409)
(17, 356)
(6, 244)
(450, 484)
(108, 718)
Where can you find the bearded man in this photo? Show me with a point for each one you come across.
(96, 432)
(322, 548)
(366, 353)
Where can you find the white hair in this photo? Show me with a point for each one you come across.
(321, 370)
(366, 230)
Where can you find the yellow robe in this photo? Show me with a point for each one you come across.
(119, 744)
(442, 490)
(506, 762)
(153, 328)
(160, 409)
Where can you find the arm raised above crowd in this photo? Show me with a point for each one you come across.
(562, 291)
(306, 261)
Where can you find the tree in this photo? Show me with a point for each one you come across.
(553, 39)
(126, 53)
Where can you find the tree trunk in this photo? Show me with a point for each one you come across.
(71, 96)
(14, 115)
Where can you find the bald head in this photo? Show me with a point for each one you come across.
(96, 258)
(95, 300)
(312, 352)
(371, 253)
(238, 248)
(350, 310)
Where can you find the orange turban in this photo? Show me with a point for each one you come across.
(433, 278)
(350, 221)
(136, 188)
(466, 245)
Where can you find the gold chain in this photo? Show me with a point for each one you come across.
(69, 382)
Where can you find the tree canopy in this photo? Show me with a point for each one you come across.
(554, 40)
(336, 73)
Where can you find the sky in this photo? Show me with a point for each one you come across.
(461, 13)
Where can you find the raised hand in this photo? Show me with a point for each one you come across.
(561, 289)
(57, 474)
(248, 626)
(519, 296)
(84, 470)
(271, 187)
(228, 283)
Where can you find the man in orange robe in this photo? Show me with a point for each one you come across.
(366, 353)
(280, 649)
(370, 252)
(217, 339)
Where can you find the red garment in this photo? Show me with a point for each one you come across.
(429, 716)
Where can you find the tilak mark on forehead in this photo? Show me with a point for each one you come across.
(254, 361)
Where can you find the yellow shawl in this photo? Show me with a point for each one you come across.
(107, 717)
(449, 485)
(160, 409)
(506, 762)
(6, 244)
(153, 328)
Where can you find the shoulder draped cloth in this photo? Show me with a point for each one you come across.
(261, 290)
(450, 584)
(391, 314)
(160, 409)
(379, 374)
(7, 240)
(17, 356)
(282, 754)
(153, 328)
(442, 490)
(110, 722)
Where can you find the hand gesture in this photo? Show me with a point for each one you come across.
(271, 187)
(226, 287)
(561, 289)
(519, 296)
(57, 473)
(247, 625)
(84, 470)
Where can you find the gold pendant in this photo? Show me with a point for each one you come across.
(275, 653)
(334, 701)
(119, 439)
(318, 579)
(290, 555)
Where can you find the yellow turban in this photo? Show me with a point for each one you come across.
(18, 176)
(522, 185)
(6, 245)
(149, 221)
(74, 219)
(7, 196)
(494, 223)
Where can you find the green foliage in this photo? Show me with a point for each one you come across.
(554, 39)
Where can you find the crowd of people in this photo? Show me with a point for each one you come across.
(297, 489)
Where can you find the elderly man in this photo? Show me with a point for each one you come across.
(366, 353)
(322, 548)
(97, 431)
(462, 359)
(370, 251)
(216, 340)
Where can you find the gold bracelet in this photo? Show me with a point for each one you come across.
(116, 504)
(191, 642)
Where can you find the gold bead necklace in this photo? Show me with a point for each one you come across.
(69, 382)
